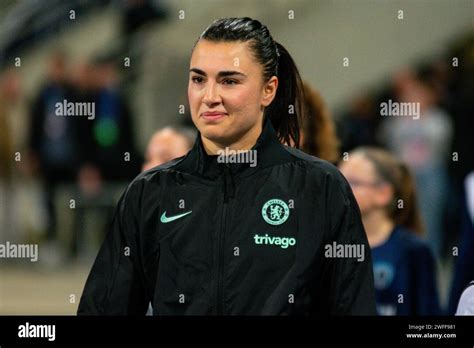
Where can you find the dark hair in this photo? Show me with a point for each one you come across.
(396, 173)
(276, 61)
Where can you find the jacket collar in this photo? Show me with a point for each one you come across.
(268, 152)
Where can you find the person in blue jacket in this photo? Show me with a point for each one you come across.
(404, 266)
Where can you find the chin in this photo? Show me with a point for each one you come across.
(211, 131)
(215, 135)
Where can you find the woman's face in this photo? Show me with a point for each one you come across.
(370, 193)
(227, 94)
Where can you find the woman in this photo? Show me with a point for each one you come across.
(404, 267)
(204, 235)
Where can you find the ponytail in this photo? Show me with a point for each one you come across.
(287, 109)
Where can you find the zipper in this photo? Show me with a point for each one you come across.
(220, 243)
(220, 268)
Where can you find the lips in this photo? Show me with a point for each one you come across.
(213, 115)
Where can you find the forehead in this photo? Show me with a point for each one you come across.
(358, 166)
(216, 56)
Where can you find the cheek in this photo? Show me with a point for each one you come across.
(194, 98)
(244, 101)
(362, 197)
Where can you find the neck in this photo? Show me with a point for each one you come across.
(378, 227)
(244, 143)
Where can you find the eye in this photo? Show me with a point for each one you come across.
(197, 79)
(229, 82)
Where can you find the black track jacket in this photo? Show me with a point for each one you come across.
(197, 236)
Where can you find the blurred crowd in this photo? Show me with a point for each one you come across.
(88, 151)
(412, 176)
(436, 148)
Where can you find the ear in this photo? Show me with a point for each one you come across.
(269, 91)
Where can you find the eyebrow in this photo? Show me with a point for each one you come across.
(220, 74)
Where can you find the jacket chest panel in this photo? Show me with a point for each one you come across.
(205, 242)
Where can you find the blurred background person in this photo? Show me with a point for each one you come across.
(424, 145)
(7, 95)
(167, 144)
(54, 144)
(6, 141)
(404, 266)
(466, 301)
(358, 126)
(12, 145)
(83, 89)
(108, 155)
(318, 136)
(109, 139)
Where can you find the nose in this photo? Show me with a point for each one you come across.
(211, 96)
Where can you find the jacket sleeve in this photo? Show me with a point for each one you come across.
(350, 280)
(115, 285)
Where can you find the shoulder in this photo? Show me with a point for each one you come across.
(466, 303)
(312, 163)
(320, 169)
(326, 183)
(151, 173)
(150, 177)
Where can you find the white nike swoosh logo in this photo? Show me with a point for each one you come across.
(165, 219)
